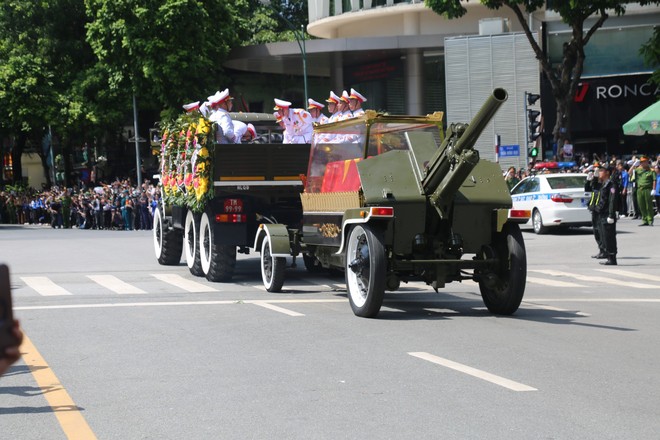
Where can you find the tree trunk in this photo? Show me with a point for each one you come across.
(16, 156)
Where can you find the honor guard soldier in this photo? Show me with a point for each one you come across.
(355, 101)
(333, 106)
(285, 133)
(297, 122)
(314, 109)
(645, 179)
(221, 104)
(592, 185)
(189, 108)
(606, 207)
(245, 133)
(344, 112)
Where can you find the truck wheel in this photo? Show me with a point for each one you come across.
(191, 244)
(537, 223)
(168, 242)
(218, 261)
(365, 270)
(503, 294)
(272, 268)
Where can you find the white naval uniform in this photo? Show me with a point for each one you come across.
(221, 116)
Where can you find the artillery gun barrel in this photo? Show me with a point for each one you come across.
(454, 161)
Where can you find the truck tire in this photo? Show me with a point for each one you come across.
(217, 261)
(503, 297)
(191, 244)
(272, 268)
(365, 270)
(168, 241)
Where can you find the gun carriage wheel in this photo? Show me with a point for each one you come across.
(272, 268)
(502, 291)
(365, 270)
(191, 243)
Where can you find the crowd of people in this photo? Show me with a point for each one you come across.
(118, 205)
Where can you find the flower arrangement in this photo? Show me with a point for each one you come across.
(186, 165)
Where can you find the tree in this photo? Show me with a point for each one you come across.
(564, 77)
(271, 20)
(651, 53)
(168, 52)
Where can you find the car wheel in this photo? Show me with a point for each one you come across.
(365, 270)
(537, 222)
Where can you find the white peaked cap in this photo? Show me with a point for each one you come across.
(219, 97)
(279, 103)
(333, 97)
(192, 106)
(356, 95)
(344, 96)
(314, 104)
(252, 131)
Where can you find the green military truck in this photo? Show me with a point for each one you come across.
(215, 196)
(391, 198)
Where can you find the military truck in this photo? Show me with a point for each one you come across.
(391, 198)
(216, 195)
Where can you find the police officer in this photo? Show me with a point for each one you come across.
(645, 180)
(593, 185)
(606, 207)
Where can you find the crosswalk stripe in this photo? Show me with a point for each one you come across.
(113, 283)
(182, 283)
(612, 281)
(45, 286)
(631, 274)
(553, 283)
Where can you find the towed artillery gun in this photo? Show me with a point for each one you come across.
(390, 199)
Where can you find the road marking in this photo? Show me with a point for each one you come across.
(67, 412)
(553, 283)
(276, 308)
(441, 311)
(113, 283)
(182, 283)
(552, 309)
(480, 374)
(45, 286)
(604, 300)
(595, 279)
(631, 274)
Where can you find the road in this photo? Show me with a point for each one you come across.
(122, 348)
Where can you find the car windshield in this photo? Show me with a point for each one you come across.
(563, 182)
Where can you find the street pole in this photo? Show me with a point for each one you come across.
(304, 60)
(52, 160)
(137, 143)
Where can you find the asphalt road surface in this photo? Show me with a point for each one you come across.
(119, 347)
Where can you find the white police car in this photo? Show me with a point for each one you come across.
(554, 199)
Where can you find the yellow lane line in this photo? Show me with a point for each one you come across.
(73, 424)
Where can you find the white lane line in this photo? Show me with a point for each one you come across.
(45, 286)
(480, 374)
(129, 304)
(552, 309)
(182, 283)
(553, 283)
(631, 274)
(597, 300)
(113, 283)
(595, 279)
(441, 311)
(276, 308)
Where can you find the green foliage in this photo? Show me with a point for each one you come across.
(274, 21)
(651, 53)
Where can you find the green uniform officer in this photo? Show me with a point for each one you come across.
(645, 179)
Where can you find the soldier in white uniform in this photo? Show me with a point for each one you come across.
(344, 112)
(221, 104)
(297, 122)
(244, 133)
(315, 108)
(355, 101)
(285, 134)
(333, 106)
